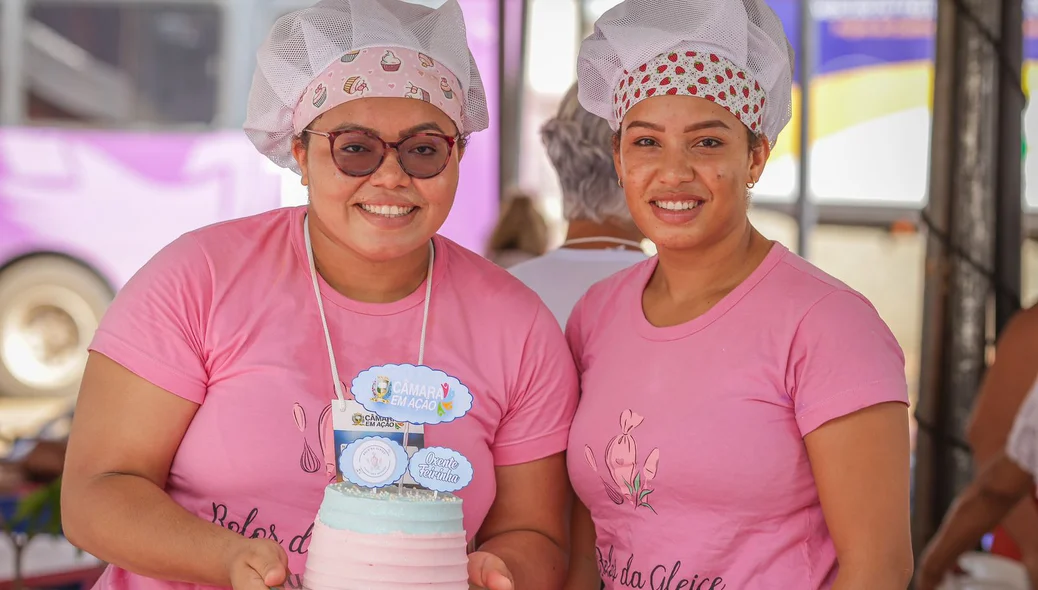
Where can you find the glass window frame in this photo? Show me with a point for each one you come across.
(224, 8)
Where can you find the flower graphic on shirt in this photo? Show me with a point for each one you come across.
(626, 482)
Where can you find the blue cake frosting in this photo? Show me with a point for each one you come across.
(390, 510)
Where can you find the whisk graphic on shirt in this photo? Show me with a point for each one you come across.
(621, 459)
(309, 461)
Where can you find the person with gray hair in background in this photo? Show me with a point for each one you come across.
(601, 238)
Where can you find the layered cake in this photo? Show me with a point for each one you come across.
(387, 539)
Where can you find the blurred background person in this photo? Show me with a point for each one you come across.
(1002, 484)
(601, 238)
(1002, 394)
(520, 234)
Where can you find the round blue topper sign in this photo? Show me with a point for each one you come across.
(373, 462)
(412, 393)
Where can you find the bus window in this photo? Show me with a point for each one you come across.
(122, 64)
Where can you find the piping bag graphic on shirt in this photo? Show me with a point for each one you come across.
(621, 464)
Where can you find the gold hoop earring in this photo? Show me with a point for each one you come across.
(620, 182)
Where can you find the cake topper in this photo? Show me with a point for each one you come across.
(412, 394)
(373, 462)
(440, 469)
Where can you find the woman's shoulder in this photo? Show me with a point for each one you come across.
(804, 286)
(820, 316)
(245, 233)
(1022, 330)
(211, 258)
(807, 277)
(226, 246)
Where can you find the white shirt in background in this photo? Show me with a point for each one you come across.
(562, 276)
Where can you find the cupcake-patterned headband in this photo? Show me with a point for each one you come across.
(693, 73)
(390, 72)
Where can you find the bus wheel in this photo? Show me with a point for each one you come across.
(50, 307)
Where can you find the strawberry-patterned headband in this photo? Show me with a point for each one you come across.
(693, 73)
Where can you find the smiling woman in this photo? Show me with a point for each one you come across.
(381, 185)
(212, 378)
(775, 387)
(727, 157)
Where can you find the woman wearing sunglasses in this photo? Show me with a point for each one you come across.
(202, 441)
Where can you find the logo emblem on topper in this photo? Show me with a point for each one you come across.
(380, 389)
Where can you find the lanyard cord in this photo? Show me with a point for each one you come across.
(336, 382)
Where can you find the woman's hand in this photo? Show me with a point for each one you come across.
(259, 564)
(488, 572)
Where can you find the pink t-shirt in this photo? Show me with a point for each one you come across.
(226, 317)
(687, 445)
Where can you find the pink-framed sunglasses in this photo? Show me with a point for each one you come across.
(359, 153)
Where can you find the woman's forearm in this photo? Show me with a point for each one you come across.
(973, 514)
(881, 575)
(583, 561)
(1022, 526)
(130, 522)
(583, 575)
(535, 561)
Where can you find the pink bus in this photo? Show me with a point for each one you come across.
(119, 131)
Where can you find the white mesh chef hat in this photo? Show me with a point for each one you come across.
(305, 42)
(632, 33)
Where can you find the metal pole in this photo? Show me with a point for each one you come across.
(963, 181)
(12, 83)
(582, 21)
(512, 20)
(805, 212)
(926, 516)
(238, 22)
(1009, 198)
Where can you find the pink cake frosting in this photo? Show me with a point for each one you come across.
(347, 560)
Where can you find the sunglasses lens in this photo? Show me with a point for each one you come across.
(357, 154)
(424, 156)
(421, 156)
